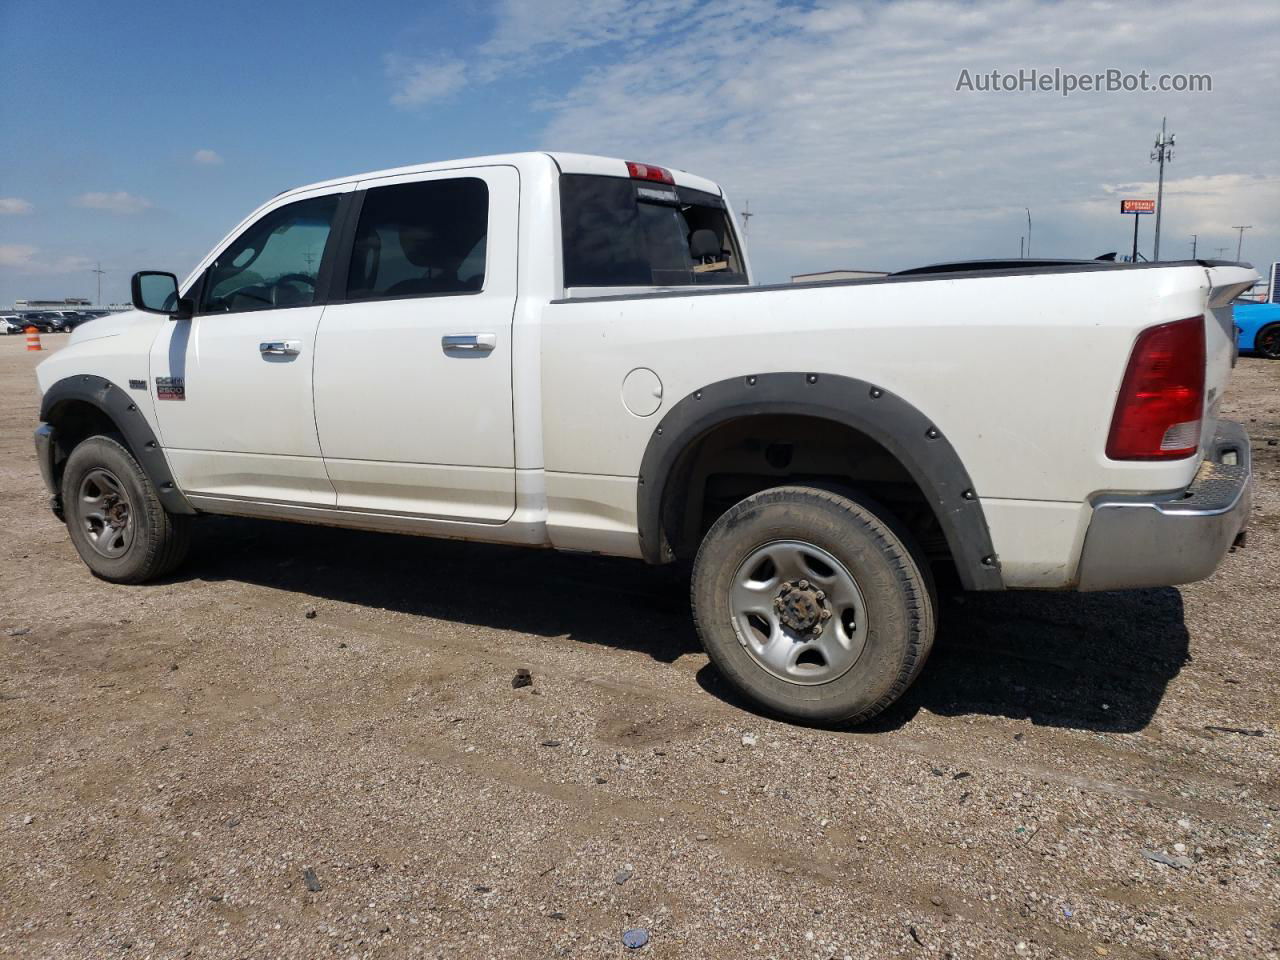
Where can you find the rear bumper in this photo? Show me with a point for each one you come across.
(1173, 538)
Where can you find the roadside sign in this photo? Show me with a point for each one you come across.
(1137, 206)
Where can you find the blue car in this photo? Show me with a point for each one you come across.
(1259, 328)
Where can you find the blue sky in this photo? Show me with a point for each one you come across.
(137, 134)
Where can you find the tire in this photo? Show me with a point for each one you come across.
(1267, 341)
(135, 544)
(778, 548)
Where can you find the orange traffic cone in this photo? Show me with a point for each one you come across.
(33, 339)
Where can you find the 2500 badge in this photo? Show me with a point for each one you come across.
(170, 388)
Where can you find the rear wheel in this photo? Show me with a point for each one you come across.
(1267, 342)
(813, 604)
(114, 517)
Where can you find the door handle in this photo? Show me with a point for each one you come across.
(475, 342)
(280, 348)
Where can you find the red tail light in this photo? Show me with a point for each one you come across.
(646, 171)
(1162, 397)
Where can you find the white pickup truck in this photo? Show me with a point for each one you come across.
(568, 351)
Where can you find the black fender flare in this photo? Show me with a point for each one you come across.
(122, 410)
(886, 418)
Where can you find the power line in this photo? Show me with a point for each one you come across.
(1162, 151)
(1240, 239)
(100, 272)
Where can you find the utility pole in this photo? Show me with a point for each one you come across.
(99, 271)
(746, 216)
(1240, 239)
(1028, 209)
(1022, 243)
(1194, 238)
(1162, 151)
(1221, 251)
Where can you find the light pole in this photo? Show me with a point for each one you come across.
(1162, 151)
(1194, 238)
(1240, 239)
(99, 271)
(1028, 209)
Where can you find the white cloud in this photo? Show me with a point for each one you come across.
(418, 82)
(14, 205)
(843, 127)
(535, 32)
(1212, 207)
(25, 259)
(207, 158)
(118, 202)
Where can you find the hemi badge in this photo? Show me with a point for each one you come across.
(137, 384)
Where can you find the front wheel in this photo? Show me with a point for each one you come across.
(116, 521)
(813, 604)
(1267, 342)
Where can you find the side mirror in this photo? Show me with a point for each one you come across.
(156, 292)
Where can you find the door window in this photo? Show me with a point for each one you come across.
(420, 239)
(273, 264)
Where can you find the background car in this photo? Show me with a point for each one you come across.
(41, 321)
(67, 320)
(10, 323)
(1259, 328)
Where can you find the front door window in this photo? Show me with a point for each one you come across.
(273, 264)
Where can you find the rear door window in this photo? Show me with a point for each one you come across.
(420, 239)
(628, 233)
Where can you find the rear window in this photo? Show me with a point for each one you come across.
(638, 233)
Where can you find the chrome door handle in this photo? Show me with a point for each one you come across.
(477, 342)
(280, 348)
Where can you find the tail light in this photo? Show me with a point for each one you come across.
(1161, 399)
(647, 171)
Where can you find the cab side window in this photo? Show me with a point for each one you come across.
(275, 263)
(420, 239)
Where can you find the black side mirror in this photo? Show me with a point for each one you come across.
(157, 292)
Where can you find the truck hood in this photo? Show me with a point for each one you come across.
(109, 326)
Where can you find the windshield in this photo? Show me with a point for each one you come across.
(629, 233)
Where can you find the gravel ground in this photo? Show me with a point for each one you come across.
(203, 768)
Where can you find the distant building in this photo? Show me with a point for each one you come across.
(29, 305)
(838, 275)
(66, 303)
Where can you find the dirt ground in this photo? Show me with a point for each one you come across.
(199, 769)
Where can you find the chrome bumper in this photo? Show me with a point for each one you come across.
(1173, 538)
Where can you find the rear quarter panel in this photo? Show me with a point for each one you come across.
(1020, 372)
